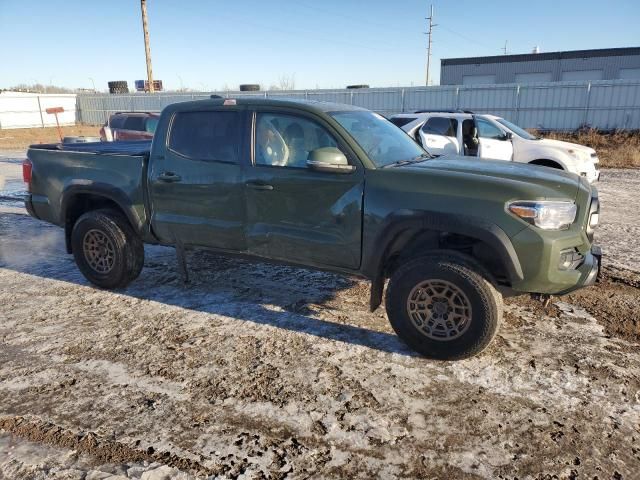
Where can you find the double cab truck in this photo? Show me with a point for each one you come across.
(330, 187)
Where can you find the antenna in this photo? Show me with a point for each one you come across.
(429, 33)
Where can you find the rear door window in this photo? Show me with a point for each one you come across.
(209, 136)
(447, 127)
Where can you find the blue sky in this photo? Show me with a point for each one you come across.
(206, 45)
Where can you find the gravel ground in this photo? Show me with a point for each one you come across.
(257, 371)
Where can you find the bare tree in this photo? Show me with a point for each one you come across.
(39, 88)
(285, 82)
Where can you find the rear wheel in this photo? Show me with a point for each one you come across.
(106, 249)
(443, 307)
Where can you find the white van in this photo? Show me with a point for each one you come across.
(491, 137)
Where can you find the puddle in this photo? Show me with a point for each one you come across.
(13, 190)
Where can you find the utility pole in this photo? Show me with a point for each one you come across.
(429, 33)
(504, 49)
(147, 50)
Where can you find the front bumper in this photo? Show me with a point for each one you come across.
(591, 275)
(540, 256)
(592, 175)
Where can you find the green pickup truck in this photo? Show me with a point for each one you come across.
(331, 187)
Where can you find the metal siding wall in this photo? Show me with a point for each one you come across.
(606, 104)
(506, 72)
(385, 102)
(437, 98)
(553, 106)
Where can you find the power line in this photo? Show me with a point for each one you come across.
(473, 40)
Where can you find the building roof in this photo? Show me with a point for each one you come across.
(528, 57)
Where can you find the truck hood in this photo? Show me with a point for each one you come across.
(563, 182)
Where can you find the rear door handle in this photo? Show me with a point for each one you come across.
(256, 185)
(169, 177)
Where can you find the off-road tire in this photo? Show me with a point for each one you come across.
(118, 86)
(485, 302)
(127, 247)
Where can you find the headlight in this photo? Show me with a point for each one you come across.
(548, 215)
(578, 154)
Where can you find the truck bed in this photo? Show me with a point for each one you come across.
(131, 147)
(115, 170)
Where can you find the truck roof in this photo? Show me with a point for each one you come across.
(304, 104)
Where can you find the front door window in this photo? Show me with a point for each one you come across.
(287, 140)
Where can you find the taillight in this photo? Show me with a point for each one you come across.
(26, 171)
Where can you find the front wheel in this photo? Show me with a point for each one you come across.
(106, 249)
(442, 307)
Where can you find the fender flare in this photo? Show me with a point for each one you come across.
(424, 220)
(100, 190)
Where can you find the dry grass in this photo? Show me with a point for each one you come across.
(615, 150)
(21, 138)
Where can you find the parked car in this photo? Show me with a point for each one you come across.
(331, 187)
(129, 126)
(492, 137)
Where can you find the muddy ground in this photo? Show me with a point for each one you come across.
(257, 371)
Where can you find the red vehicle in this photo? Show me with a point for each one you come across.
(129, 126)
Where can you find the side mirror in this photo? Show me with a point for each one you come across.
(508, 135)
(329, 159)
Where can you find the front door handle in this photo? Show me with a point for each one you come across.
(169, 177)
(256, 185)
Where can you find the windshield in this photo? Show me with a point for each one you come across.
(152, 123)
(384, 143)
(516, 129)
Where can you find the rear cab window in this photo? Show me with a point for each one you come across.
(206, 135)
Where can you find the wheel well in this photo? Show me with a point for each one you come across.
(80, 204)
(547, 163)
(411, 244)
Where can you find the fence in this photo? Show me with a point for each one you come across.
(606, 104)
(23, 110)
